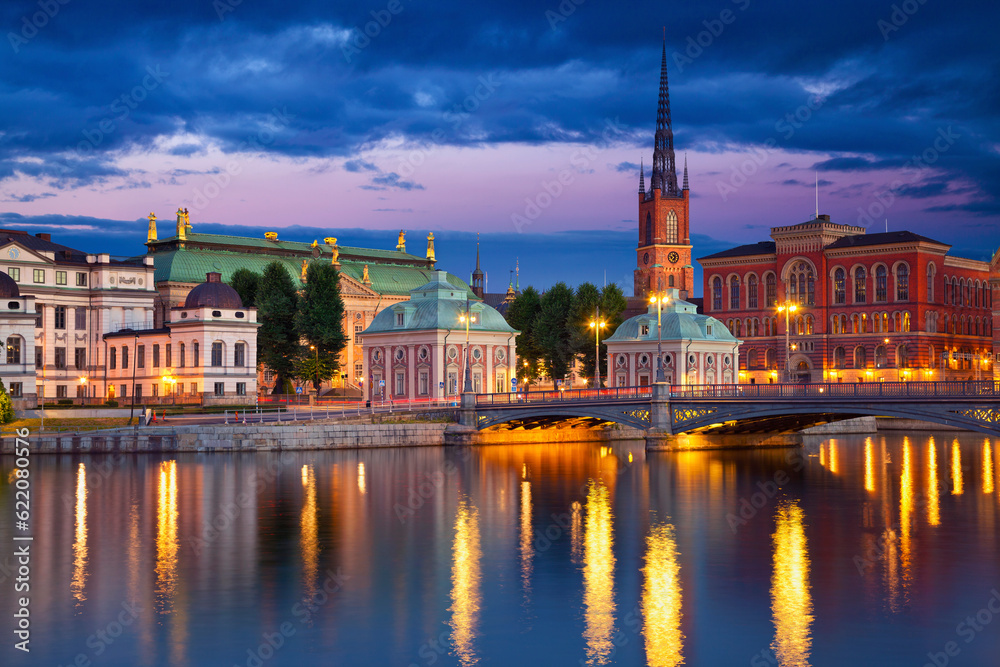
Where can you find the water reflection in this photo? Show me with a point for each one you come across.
(576, 533)
(957, 485)
(869, 466)
(933, 495)
(661, 599)
(527, 548)
(987, 467)
(465, 583)
(362, 485)
(598, 575)
(791, 602)
(166, 536)
(79, 582)
(309, 533)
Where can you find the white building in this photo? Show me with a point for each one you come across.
(78, 297)
(17, 323)
(417, 347)
(697, 349)
(206, 353)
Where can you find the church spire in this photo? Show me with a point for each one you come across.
(664, 170)
(686, 172)
(478, 282)
(642, 178)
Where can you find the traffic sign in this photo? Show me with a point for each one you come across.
(513, 382)
(440, 385)
(381, 383)
(298, 390)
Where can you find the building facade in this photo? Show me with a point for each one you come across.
(206, 352)
(17, 323)
(78, 297)
(696, 349)
(370, 279)
(889, 306)
(417, 349)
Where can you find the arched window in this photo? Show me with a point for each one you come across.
(956, 296)
(839, 288)
(885, 322)
(839, 358)
(717, 293)
(739, 328)
(771, 359)
(897, 322)
(670, 281)
(809, 325)
(930, 283)
(880, 283)
(843, 324)
(14, 350)
(767, 326)
(217, 354)
(906, 322)
(877, 319)
(834, 324)
(752, 292)
(752, 359)
(859, 357)
(856, 323)
(734, 293)
(771, 290)
(860, 285)
(802, 284)
(671, 227)
(649, 229)
(902, 283)
(881, 361)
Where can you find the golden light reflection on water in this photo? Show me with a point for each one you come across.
(791, 602)
(166, 536)
(933, 499)
(598, 575)
(465, 583)
(661, 599)
(906, 498)
(576, 533)
(958, 486)
(987, 466)
(834, 460)
(869, 466)
(79, 582)
(527, 548)
(362, 486)
(310, 533)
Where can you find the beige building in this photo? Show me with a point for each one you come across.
(17, 323)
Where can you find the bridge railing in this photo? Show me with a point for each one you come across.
(568, 395)
(762, 392)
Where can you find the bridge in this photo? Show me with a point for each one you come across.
(666, 410)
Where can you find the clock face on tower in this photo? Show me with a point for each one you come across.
(673, 257)
(645, 258)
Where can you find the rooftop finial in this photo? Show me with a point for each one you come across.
(430, 247)
(151, 232)
(664, 168)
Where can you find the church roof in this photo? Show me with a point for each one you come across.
(680, 321)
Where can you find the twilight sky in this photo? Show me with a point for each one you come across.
(460, 117)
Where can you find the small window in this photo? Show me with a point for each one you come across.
(240, 315)
(184, 315)
(708, 329)
(156, 356)
(60, 277)
(124, 357)
(239, 354)
(80, 358)
(13, 305)
(60, 357)
(113, 359)
(216, 313)
(169, 355)
(14, 350)
(399, 319)
(220, 388)
(60, 313)
(39, 357)
(643, 329)
(15, 390)
(61, 391)
(217, 354)
(39, 275)
(156, 389)
(80, 319)
(81, 279)
(140, 356)
(196, 354)
(15, 273)
(241, 388)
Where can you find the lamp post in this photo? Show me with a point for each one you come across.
(135, 358)
(316, 369)
(83, 383)
(466, 318)
(597, 324)
(659, 300)
(787, 308)
(527, 380)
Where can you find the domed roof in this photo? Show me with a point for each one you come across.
(680, 321)
(8, 288)
(213, 293)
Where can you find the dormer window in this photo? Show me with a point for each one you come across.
(399, 319)
(643, 329)
(708, 329)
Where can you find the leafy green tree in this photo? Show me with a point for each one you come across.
(552, 331)
(246, 283)
(319, 322)
(278, 344)
(586, 301)
(521, 315)
(6, 406)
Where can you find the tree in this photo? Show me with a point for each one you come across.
(586, 302)
(246, 283)
(521, 315)
(6, 406)
(613, 304)
(278, 343)
(319, 321)
(552, 332)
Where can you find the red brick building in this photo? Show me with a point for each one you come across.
(869, 307)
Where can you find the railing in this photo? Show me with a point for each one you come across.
(762, 392)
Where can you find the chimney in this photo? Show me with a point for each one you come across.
(213, 277)
(824, 216)
(43, 236)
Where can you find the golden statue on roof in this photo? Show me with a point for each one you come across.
(151, 232)
(305, 268)
(364, 276)
(181, 227)
(401, 243)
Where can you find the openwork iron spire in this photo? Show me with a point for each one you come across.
(642, 178)
(664, 168)
(686, 172)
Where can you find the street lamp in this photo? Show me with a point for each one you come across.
(787, 308)
(83, 383)
(597, 324)
(466, 318)
(316, 368)
(659, 300)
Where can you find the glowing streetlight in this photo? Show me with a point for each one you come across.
(597, 324)
(787, 308)
(659, 300)
(466, 318)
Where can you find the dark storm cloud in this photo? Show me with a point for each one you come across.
(302, 79)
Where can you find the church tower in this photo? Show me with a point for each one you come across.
(664, 251)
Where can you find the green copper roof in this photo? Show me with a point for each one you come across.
(290, 246)
(680, 321)
(434, 305)
(191, 265)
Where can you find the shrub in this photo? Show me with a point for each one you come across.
(111, 403)
(6, 406)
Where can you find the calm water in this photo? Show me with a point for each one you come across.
(872, 553)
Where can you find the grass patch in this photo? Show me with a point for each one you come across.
(65, 424)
